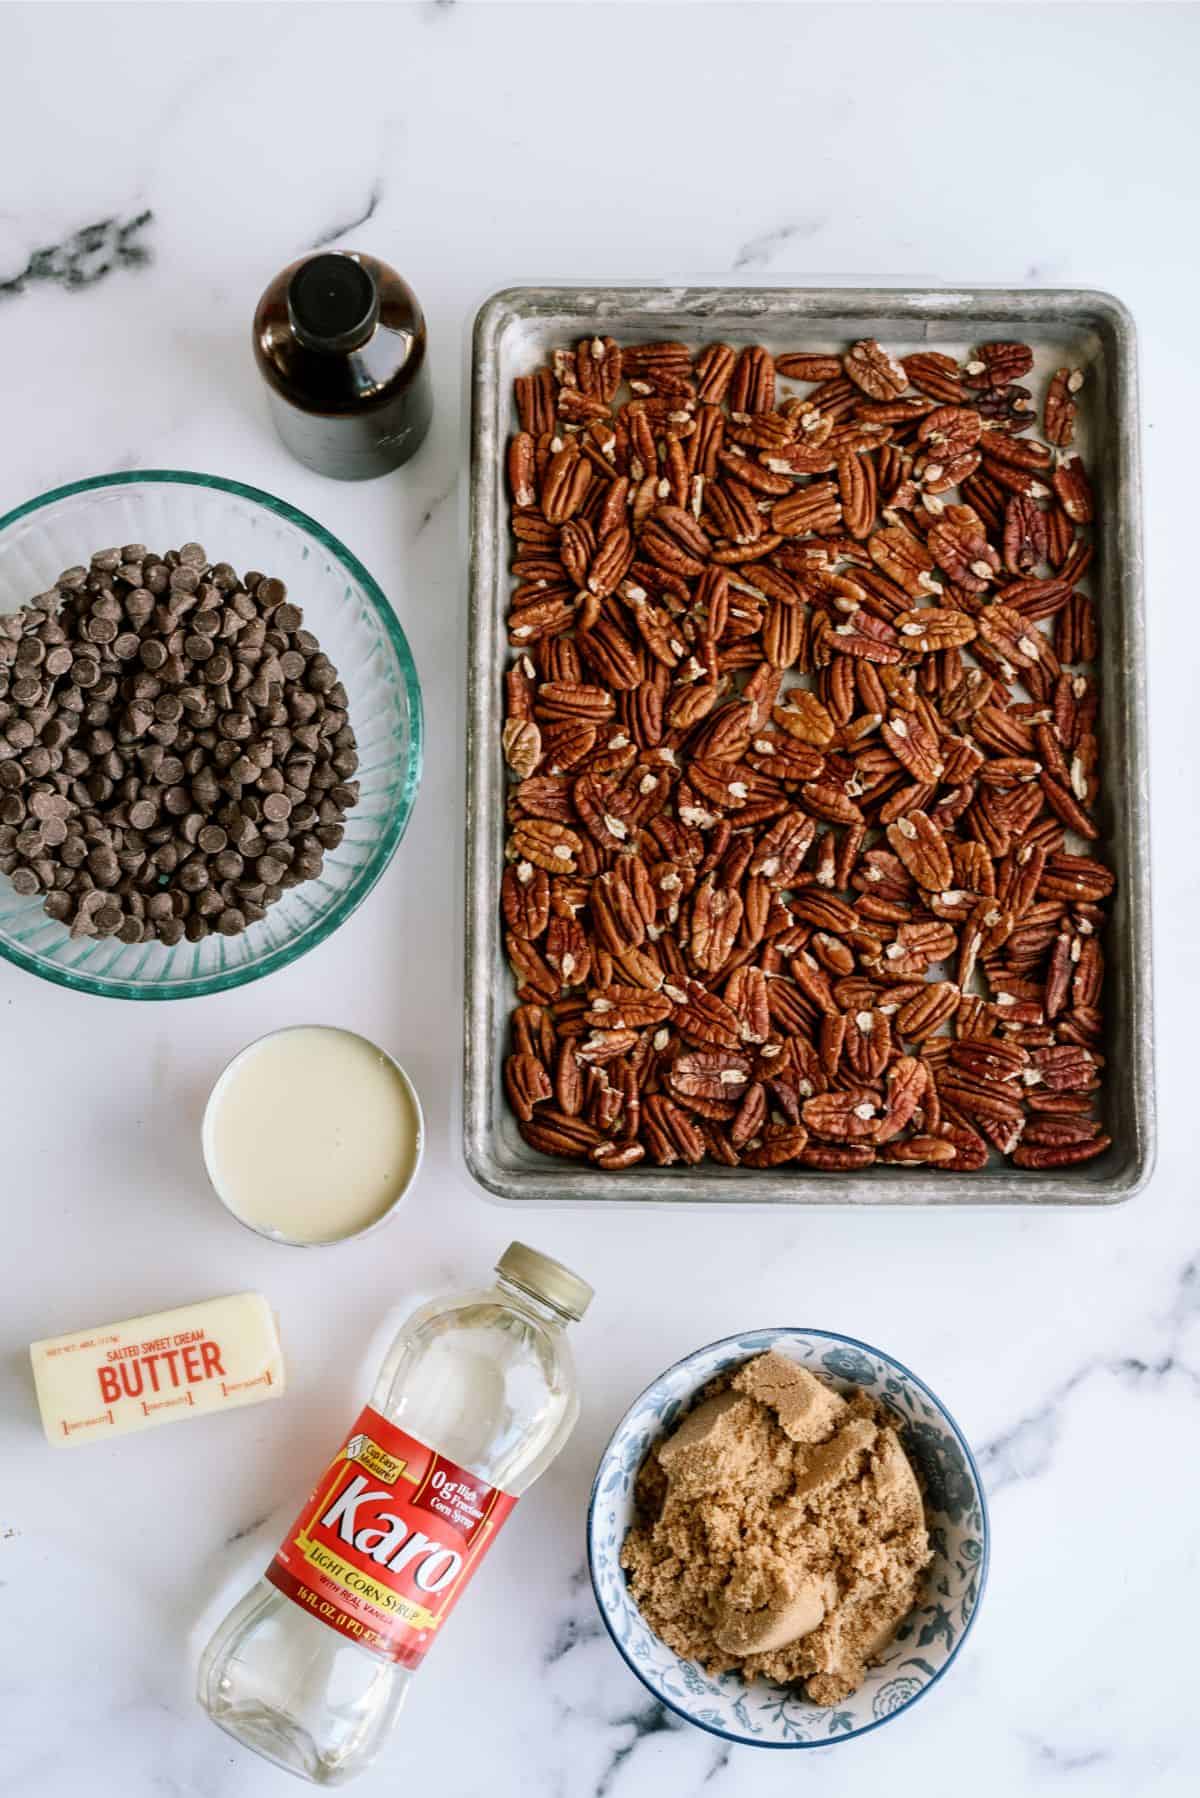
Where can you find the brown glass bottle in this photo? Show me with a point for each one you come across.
(339, 339)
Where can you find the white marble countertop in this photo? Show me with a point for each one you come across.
(475, 147)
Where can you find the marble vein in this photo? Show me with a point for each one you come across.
(721, 1760)
(88, 255)
(374, 196)
(571, 1634)
(758, 251)
(434, 506)
(1058, 1760)
(1026, 1449)
(652, 1720)
(248, 1529)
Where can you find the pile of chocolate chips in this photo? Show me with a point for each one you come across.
(175, 749)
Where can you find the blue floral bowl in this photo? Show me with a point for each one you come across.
(760, 1714)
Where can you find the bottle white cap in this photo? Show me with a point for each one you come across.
(545, 1279)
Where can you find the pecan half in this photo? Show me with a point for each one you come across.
(802, 366)
(920, 845)
(547, 845)
(598, 368)
(880, 375)
(1059, 415)
(998, 363)
(959, 544)
(846, 1116)
(525, 899)
(522, 745)
(527, 1084)
(710, 1074)
(904, 558)
(1074, 491)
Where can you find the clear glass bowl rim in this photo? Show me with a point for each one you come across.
(390, 838)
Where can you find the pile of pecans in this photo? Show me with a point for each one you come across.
(804, 754)
(175, 749)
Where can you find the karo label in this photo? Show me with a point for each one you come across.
(389, 1537)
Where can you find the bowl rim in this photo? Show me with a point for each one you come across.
(198, 986)
(781, 1332)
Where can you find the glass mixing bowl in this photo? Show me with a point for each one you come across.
(346, 609)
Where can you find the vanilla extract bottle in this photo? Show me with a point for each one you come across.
(340, 340)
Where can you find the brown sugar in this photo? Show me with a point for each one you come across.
(780, 1531)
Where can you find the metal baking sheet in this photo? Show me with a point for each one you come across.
(513, 333)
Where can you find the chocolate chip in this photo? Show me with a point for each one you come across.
(104, 866)
(108, 920)
(193, 876)
(139, 605)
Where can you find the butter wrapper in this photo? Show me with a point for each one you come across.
(169, 1365)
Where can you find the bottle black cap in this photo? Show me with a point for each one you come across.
(333, 302)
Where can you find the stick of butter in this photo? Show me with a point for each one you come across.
(172, 1364)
